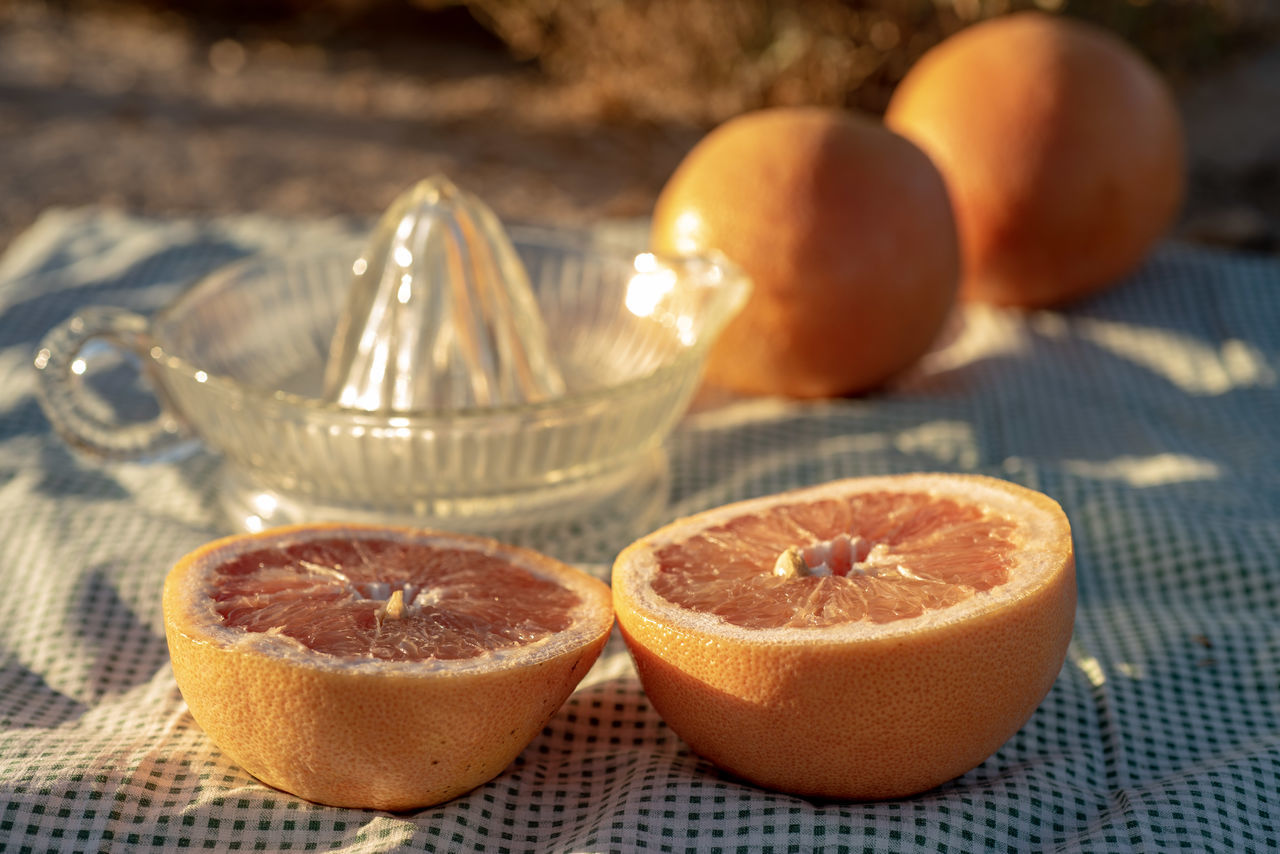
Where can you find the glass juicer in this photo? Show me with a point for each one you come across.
(451, 373)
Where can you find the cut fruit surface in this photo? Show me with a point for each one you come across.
(385, 600)
(867, 638)
(374, 666)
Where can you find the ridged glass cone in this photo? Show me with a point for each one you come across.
(440, 314)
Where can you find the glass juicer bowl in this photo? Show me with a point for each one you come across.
(453, 374)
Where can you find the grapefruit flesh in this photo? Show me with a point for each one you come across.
(377, 667)
(334, 596)
(864, 639)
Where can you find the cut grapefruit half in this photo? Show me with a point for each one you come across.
(864, 639)
(377, 667)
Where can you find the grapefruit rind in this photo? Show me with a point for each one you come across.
(1052, 134)
(858, 713)
(371, 734)
(846, 224)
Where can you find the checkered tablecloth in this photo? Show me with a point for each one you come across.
(1152, 414)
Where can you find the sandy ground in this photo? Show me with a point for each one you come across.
(147, 113)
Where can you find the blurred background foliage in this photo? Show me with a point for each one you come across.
(700, 61)
(555, 111)
(707, 59)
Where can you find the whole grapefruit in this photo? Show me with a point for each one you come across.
(846, 231)
(1062, 148)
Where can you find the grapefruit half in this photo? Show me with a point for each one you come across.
(377, 667)
(863, 639)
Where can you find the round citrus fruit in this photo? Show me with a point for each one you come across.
(847, 233)
(373, 666)
(868, 638)
(1062, 148)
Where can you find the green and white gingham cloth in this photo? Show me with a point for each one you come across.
(1152, 413)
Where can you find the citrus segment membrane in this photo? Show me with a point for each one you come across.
(388, 600)
(877, 556)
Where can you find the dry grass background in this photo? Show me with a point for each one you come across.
(553, 110)
(704, 60)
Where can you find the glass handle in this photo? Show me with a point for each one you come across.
(70, 407)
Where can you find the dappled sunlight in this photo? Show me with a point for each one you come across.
(1194, 365)
(976, 332)
(1088, 665)
(1131, 702)
(1154, 470)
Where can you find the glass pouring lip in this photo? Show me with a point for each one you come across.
(731, 278)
